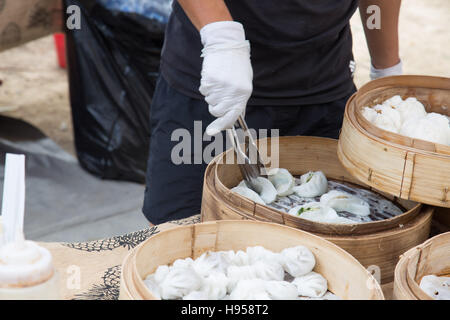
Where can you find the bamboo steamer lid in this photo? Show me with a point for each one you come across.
(346, 277)
(377, 245)
(407, 168)
(431, 257)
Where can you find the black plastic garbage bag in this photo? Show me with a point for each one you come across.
(113, 64)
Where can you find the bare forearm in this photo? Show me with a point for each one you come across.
(203, 12)
(383, 42)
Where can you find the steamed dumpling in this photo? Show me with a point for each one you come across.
(315, 211)
(237, 274)
(253, 289)
(154, 280)
(238, 258)
(439, 119)
(215, 286)
(183, 263)
(411, 108)
(431, 128)
(161, 273)
(443, 123)
(393, 101)
(265, 270)
(387, 118)
(343, 201)
(390, 112)
(297, 261)
(283, 181)
(269, 270)
(281, 290)
(265, 189)
(369, 113)
(311, 285)
(241, 272)
(179, 282)
(384, 122)
(312, 184)
(259, 253)
(436, 287)
(209, 262)
(248, 193)
(153, 286)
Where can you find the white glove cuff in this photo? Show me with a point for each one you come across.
(222, 32)
(380, 73)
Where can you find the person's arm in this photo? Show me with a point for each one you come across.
(227, 74)
(203, 12)
(383, 43)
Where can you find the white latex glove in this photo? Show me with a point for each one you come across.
(227, 73)
(380, 73)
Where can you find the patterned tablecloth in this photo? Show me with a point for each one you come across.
(91, 270)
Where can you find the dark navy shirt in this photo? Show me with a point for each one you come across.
(301, 50)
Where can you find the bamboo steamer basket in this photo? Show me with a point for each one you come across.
(431, 257)
(407, 168)
(373, 244)
(347, 278)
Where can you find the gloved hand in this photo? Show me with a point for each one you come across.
(380, 73)
(227, 74)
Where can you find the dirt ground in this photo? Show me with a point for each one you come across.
(35, 89)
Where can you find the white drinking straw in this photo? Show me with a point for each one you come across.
(13, 207)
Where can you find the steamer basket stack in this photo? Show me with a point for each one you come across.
(407, 171)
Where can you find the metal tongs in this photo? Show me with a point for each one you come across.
(248, 157)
